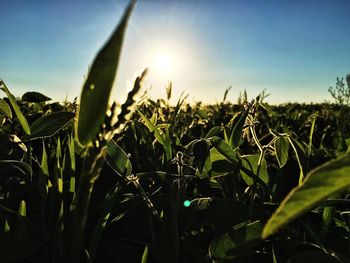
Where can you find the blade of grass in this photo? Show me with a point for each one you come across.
(98, 85)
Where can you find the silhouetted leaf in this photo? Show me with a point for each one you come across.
(322, 182)
(33, 96)
(49, 125)
(6, 166)
(236, 135)
(236, 244)
(201, 153)
(99, 82)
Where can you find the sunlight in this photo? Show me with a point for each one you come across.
(162, 62)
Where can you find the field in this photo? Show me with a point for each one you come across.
(146, 181)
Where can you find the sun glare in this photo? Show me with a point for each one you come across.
(162, 62)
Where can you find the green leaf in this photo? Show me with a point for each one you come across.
(98, 85)
(161, 137)
(236, 135)
(236, 244)
(322, 182)
(145, 255)
(22, 210)
(201, 153)
(219, 164)
(5, 108)
(44, 162)
(213, 132)
(250, 162)
(49, 125)
(22, 120)
(224, 149)
(118, 160)
(282, 149)
(33, 96)
(159, 134)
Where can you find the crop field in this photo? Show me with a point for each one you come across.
(146, 181)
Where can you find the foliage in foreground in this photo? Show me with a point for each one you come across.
(191, 183)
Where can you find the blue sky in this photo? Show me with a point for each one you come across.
(293, 49)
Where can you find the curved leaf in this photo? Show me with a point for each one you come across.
(162, 138)
(22, 167)
(322, 182)
(250, 162)
(282, 149)
(33, 96)
(98, 85)
(22, 120)
(118, 160)
(224, 149)
(238, 243)
(5, 108)
(236, 135)
(49, 125)
(201, 153)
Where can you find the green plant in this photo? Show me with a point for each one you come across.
(340, 93)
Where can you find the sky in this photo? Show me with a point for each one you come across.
(294, 50)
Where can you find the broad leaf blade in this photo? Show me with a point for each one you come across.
(237, 244)
(118, 160)
(22, 120)
(99, 82)
(322, 182)
(201, 152)
(250, 162)
(5, 108)
(282, 149)
(224, 149)
(49, 125)
(33, 96)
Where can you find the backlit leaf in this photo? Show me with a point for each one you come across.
(99, 82)
(250, 162)
(22, 120)
(5, 108)
(282, 149)
(224, 149)
(118, 159)
(49, 125)
(322, 182)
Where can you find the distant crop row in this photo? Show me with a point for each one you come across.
(150, 182)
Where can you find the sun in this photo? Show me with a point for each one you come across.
(163, 62)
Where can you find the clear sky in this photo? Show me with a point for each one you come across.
(293, 49)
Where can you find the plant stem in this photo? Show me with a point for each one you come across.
(91, 170)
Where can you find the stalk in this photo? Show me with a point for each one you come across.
(91, 170)
(177, 194)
